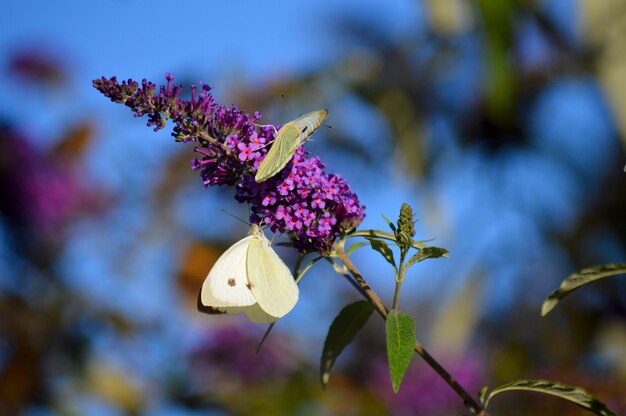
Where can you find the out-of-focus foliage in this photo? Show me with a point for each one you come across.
(44, 194)
(602, 24)
(508, 119)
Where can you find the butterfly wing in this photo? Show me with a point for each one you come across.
(254, 313)
(308, 123)
(226, 286)
(272, 284)
(291, 136)
(280, 153)
(257, 315)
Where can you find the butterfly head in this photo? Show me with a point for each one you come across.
(257, 229)
(254, 229)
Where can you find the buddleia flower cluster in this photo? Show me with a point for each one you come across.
(312, 206)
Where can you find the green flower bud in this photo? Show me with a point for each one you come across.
(406, 227)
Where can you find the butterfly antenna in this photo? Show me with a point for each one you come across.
(286, 102)
(234, 216)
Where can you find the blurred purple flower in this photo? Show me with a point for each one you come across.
(37, 191)
(37, 66)
(423, 392)
(229, 353)
(230, 148)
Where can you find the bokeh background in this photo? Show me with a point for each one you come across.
(502, 122)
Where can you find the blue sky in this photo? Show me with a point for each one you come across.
(133, 39)
(258, 41)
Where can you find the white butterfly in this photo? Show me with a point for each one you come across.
(250, 278)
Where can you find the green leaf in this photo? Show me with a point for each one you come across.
(400, 331)
(384, 249)
(389, 223)
(341, 333)
(307, 267)
(426, 253)
(563, 391)
(283, 244)
(482, 395)
(354, 247)
(386, 236)
(576, 280)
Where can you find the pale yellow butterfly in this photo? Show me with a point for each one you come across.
(288, 139)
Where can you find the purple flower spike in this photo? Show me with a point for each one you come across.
(314, 207)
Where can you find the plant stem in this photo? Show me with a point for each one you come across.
(399, 280)
(396, 295)
(373, 298)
